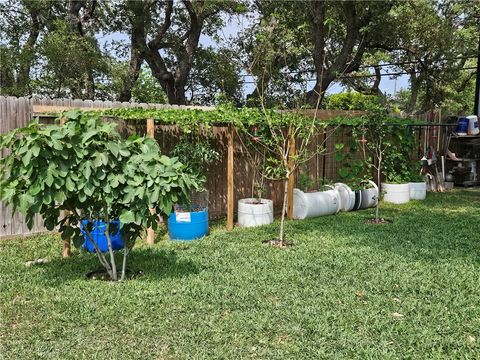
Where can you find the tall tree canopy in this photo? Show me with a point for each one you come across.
(165, 50)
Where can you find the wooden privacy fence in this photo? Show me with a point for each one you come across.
(16, 112)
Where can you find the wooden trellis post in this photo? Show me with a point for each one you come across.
(291, 177)
(230, 188)
(150, 134)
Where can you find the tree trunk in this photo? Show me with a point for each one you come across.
(414, 89)
(281, 236)
(379, 175)
(110, 250)
(133, 73)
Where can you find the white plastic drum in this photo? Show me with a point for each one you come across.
(369, 196)
(347, 196)
(308, 205)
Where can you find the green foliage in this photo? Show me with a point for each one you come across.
(196, 153)
(351, 100)
(245, 119)
(214, 76)
(85, 168)
(70, 59)
(416, 174)
(397, 164)
(147, 89)
(351, 171)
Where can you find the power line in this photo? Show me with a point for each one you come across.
(367, 76)
(311, 71)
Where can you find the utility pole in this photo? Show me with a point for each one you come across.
(476, 108)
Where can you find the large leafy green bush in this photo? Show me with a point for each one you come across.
(85, 170)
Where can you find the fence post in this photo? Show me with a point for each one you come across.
(291, 177)
(150, 134)
(230, 188)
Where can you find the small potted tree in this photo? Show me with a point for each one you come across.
(84, 173)
(256, 210)
(189, 221)
(396, 188)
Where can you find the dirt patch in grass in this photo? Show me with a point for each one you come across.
(380, 221)
(278, 243)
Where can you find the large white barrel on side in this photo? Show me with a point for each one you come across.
(369, 196)
(347, 196)
(308, 205)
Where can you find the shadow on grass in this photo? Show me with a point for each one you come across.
(148, 263)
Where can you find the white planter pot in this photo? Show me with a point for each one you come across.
(252, 214)
(418, 190)
(347, 196)
(308, 205)
(396, 193)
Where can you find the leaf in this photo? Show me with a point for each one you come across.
(127, 217)
(35, 189)
(99, 159)
(114, 148)
(24, 201)
(67, 233)
(35, 150)
(72, 114)
(69, 184)
(27, 157)
(154, 196)
(87, 171)
(60, 197)
(78, 240)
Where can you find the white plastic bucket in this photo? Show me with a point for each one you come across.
(473, 125)
(418, 190)
(308, 205)
(347, 196)
(252, 212)
(396, 193)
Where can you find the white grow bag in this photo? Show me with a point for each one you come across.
(251, 214)
(396, 193)
(418, 190)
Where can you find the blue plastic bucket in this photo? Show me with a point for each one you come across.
(462, 126)
(188, 225)
(98, 234)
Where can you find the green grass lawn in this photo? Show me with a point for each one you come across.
(345, 290)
